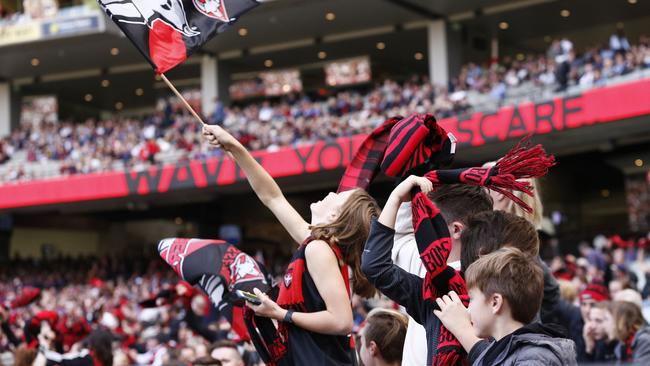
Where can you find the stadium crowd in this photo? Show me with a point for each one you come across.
(104, 145)
(77, 296)
(120, 296)
(455, 269)
(586, 306)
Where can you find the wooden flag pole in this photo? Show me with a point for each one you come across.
(187, 105)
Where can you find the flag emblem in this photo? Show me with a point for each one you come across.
(212, 8)
(146, 12)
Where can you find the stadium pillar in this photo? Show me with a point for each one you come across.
(5, 108)
(494, 50)
(214, 84)
(209, 84)
(437, 52)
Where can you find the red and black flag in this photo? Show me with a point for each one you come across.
(167, 32)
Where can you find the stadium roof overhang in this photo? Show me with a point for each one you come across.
(289, 24)
(278, 24)
(294, 31)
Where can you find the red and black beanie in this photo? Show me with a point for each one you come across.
(595, 291)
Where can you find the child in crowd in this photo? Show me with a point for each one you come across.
(506, 289)
(632, 331)
(418, 295)
(382, 338)
(599, 335)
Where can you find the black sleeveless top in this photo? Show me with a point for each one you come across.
(299, 293)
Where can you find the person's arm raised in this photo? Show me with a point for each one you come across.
(399, 195)
(265, 187)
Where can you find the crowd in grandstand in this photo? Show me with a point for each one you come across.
(83, 294)
(104, 145)
(464, 260)
(87, 293)
(457, 268)
(133, 310)
(31, 9)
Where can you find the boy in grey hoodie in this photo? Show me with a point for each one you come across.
(506, 289)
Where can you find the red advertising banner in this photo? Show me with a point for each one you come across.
(595, 106)
(602, 105)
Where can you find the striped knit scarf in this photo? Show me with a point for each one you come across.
(412, 144)
(417, 145)
(433, 238)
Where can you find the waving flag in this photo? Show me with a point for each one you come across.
(166, 32)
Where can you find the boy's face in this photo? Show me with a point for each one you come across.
(602, 322)
(365, 353)
(585, 308)
(481, 313)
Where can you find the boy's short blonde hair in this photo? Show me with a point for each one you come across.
(514, 275)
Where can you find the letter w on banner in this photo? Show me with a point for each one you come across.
(167, 32)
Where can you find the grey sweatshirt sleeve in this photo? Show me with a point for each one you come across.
(399, 285)
(476, 351)
(641, 348)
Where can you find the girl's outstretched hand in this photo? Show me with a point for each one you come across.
(219, 137)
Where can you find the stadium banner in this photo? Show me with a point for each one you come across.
(59, 26)
(595, 106)
(19, 33)
(71, 26)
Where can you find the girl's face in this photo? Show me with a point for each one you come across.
(328, 209)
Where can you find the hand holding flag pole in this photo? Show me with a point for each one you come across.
(167, 32)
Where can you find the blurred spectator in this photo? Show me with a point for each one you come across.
(227, 353)
(382, 338)
(599, 334)
(618, 42)
(4, 12)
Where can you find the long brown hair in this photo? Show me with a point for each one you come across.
(349, 232)
(628, 319)
(24, 356)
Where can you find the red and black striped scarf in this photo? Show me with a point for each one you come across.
(398, 146)
(433, 238)
(434, 245)
(416, 145)
(628, 352)
(365, 165)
